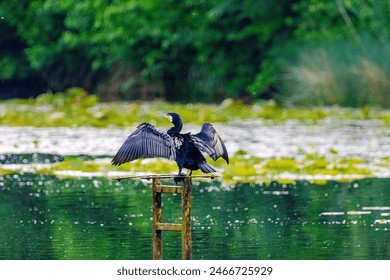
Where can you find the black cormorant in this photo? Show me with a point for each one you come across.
(147, 141)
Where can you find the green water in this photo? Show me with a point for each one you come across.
(43, 217)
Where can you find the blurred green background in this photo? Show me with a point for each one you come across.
(303, 52)
(308, 175)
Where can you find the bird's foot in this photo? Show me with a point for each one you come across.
(179, 178)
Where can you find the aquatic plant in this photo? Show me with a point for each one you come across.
(76, 108)
(242, 168)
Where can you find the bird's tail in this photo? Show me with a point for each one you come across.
(206, 168)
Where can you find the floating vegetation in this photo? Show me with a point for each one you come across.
(242, 168)
(267, 143)
(75, 107)
(317, 169)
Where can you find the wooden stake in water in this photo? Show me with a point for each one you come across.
(158, 226)
(184, 227)
(157, 219)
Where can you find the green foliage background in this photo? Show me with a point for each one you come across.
(299, 52)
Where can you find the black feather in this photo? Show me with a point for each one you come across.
(186, 149)
(211, 143)
(143, 142)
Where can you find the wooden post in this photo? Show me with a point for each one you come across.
(186, 229)
(157, 219)
(158, 225)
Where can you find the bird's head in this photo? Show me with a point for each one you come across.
(174, 118)
(176, 121)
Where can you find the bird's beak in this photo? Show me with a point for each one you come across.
(165, 115)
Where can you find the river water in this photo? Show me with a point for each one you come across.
(44, 217)
(366, 139)
(47, 217)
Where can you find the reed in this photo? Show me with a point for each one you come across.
(341, 73)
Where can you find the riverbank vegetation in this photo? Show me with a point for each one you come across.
(306, 52)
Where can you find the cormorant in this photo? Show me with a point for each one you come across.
(147, 141)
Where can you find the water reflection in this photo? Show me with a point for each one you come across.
(43, 217)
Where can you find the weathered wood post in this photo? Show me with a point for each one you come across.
(157, 219)
(158, 226)
(186, 229)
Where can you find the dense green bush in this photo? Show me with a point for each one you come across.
(184, 50)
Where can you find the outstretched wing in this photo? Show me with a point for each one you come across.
(211, 143)
(145, 141)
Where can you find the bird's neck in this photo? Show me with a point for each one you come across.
(176, 129)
